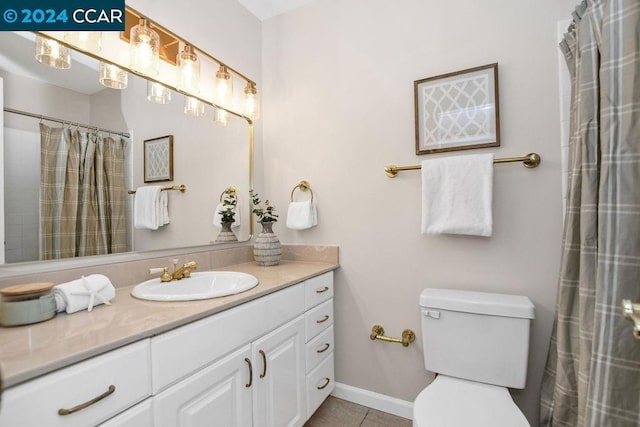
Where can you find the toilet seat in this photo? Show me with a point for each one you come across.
(454, 402)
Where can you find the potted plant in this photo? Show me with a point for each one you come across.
(267, 249)
(227, 216)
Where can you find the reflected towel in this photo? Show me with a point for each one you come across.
(146, 213)
(82, 293)
(457, 195)
(302, 215)
(217, 217)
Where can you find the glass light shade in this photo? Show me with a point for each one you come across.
(220, 117)
(251, 101)
(50, 52)
(188, 71)
(90, 41)
(112, 76)
(158, 93)
(223, 87)
(144, 49)
(193, 107)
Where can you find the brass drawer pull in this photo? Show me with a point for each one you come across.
(325, 289)
(264, 364)
(326, 347)
(324, 319)
(327, 381)
(81, 406)
(246, 359)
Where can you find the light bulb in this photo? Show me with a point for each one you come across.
(224, 87)
(144, 49)
(252, 101)
(188, 71)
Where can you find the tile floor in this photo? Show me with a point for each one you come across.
(340, 413)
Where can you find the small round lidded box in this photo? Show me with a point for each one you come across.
(26, 304)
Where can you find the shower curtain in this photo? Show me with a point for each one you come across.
(592, 377)
(82, 194)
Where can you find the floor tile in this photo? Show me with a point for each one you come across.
(338, 413)
(381, 419)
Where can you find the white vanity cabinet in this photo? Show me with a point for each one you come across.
(265, 363)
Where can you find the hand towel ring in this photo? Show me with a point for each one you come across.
(228, 190)
(304, 186)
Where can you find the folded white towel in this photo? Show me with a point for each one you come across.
(457, 195)
(302, 215)
(217, 217)
(85, 292)
(163, 206)
(146, 213)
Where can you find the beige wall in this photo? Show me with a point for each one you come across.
(338, 106)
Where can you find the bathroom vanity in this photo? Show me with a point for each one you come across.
(260, 358)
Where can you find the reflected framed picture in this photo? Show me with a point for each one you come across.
(457, 111)
(158, 159)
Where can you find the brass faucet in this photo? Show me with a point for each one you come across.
(178, 273)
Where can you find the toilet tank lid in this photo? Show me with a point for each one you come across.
(478, 302)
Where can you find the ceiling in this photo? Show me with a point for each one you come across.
(265, 9)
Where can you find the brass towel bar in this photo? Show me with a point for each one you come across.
(181, 188)
(531, 160)
(408, 336)
(304, 186)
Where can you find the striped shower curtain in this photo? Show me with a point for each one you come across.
(82, 194)
(592, 377)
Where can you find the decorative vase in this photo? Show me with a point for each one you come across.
(267, 250)
(226, 235)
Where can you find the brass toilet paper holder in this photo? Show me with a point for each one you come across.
(408, 336)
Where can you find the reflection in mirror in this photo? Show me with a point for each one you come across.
(208, 158)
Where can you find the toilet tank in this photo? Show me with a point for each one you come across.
(476, 336)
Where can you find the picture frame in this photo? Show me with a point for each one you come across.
(158, 159)
(458, 110)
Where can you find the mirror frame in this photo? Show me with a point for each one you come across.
(16, 269)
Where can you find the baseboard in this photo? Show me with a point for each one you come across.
(378, 401)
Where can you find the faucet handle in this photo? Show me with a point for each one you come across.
(156, 270)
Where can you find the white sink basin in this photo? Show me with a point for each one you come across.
(201, 285)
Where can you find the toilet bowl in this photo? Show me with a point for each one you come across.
(454, 402)
(478, 345)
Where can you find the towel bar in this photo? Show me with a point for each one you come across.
(181, 188)
(304, 186)
(408, 336)
(531, 160)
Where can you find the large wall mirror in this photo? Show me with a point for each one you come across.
(206, 157)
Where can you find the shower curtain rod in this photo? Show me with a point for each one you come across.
(64, 122)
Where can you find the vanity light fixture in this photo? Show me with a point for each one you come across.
(113, 76)
(224, 86)
(220, 117)
(158, 93)
(252, 101)
(50, 52)
(188, 71)
(90, 41)
(144, 49)
(193, 106)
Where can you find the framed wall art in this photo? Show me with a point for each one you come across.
(457, 111)
(158, 159)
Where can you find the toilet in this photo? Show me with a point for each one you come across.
(478, 345)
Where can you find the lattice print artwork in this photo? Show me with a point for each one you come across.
(457, 111)
(157, 160)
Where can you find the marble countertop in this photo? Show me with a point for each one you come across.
(33, 350)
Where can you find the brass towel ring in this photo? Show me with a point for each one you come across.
(229, 190)
(304, 186)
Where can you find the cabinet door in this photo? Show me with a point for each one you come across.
(138, 416)
(215, 396)
(279, 374)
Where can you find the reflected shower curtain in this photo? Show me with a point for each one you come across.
(592, 377)
(82, 194)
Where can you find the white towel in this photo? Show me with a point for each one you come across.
(163, 206)
(457, 195)
(302, 215)
(146, 212)
(85, 292)
(217, 217)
